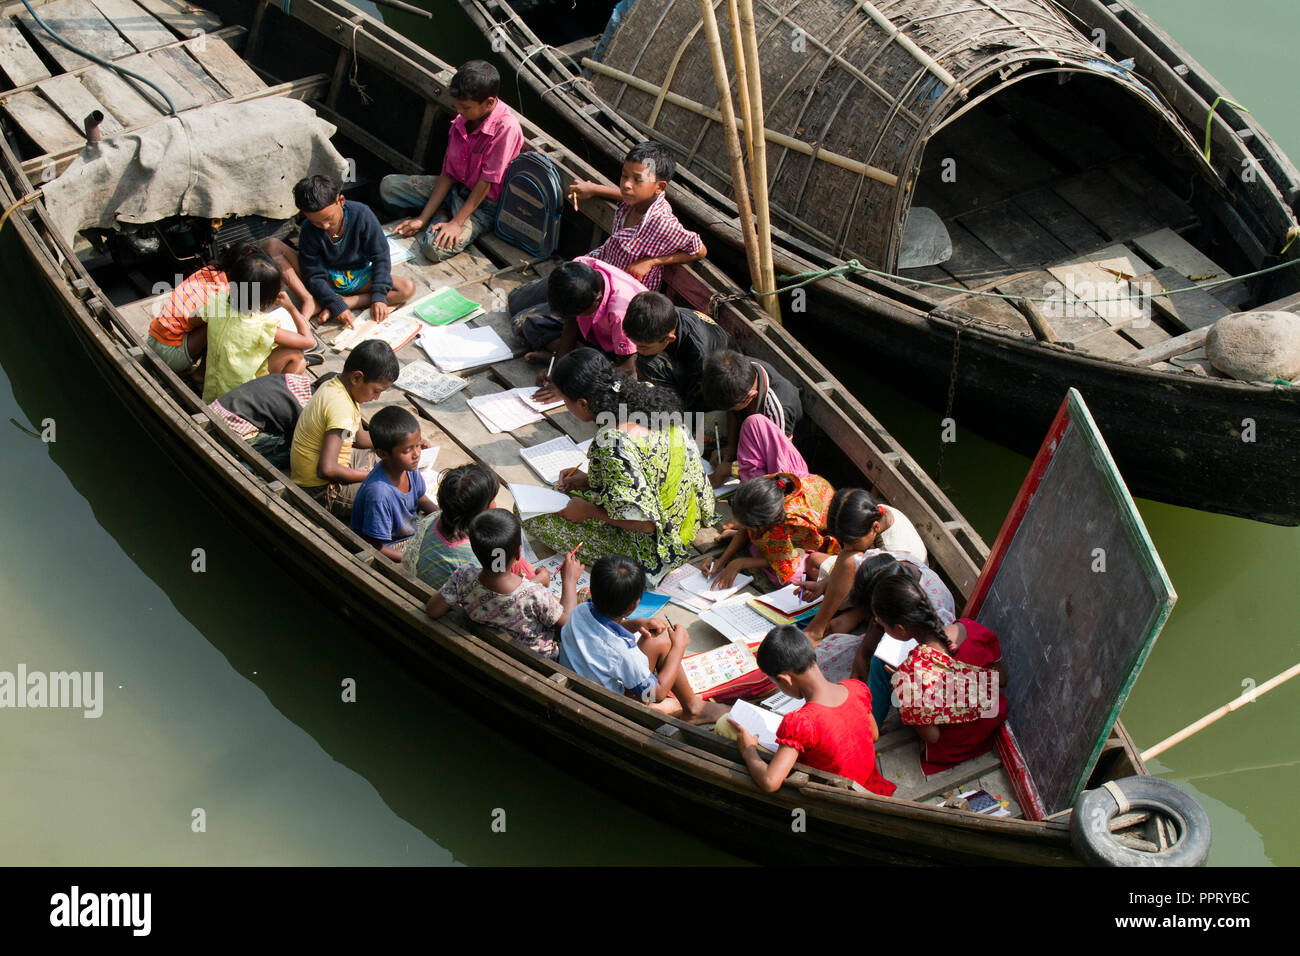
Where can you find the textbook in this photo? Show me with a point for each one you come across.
(552, 564)
(425, 381)
(650, 604)
(893, 651)
(397, 251)
(397, 332)
(782, 704)
(445, 306)
(759, 722)
(552, 457)
(710, 669)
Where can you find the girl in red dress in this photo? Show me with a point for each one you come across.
(952, 685)
(833, 731)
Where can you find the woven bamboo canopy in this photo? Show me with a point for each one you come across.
(852, 90)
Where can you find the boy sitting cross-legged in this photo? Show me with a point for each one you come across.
(331, 452)
(493, 593)
(640, 657)
(344, 255)
(461, 204)
(393, 494)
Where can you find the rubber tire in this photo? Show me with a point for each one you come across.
(1090, 825)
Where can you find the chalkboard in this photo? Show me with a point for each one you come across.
(1077, 600)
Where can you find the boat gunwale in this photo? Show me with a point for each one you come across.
(158, 389)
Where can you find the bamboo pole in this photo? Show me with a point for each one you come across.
(897, 35)
(1250, 695)
(780, 139)
(758, 159)
(728, 120)
(742, 76)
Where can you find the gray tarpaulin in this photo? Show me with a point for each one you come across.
(215, 162)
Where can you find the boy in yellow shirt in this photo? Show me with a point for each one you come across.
(332, 452)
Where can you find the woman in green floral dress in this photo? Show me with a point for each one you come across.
(644, 494)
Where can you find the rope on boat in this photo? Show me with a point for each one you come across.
(366, 99)
(4, 217)
(800, 279)
(171, 107)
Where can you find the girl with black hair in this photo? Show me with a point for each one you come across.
(244, 337)
(951, 685)
(644, 493)
(783, 519)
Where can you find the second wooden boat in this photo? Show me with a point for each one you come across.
(1070, 153)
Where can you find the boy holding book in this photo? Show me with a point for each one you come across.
(460, 204)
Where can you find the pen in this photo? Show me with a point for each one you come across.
(717, 441)
(573, 194)
(551, 368)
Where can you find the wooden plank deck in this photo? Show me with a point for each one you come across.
(48, 128)
(79, 22)
(18, 60)
(181, 17)
(141, 29)
(75, 102)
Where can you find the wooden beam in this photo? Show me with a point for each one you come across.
(1169, 348)
(392, 157)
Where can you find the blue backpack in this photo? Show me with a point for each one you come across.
(532, 199)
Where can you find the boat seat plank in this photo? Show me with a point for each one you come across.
(142, 29)
(153, 70)
(1110, 344)
(1096, 280)
(501, 251)
(1019, 241)
(1060, 219)
(76, 102)
(40, 120)
(1188, 310)
(1145, 335)
(1161, 201)
(972, 263)
(129, 106)
(1033, 285)
(18, 60)
(225, 66)
(920, 787)
(182, 68)
(1168, 249)
(81, 23)
(183, 18)
(996, 311)
(1108, 205)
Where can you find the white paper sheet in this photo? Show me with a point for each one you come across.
(787, 600)
(893, 651)
(526, 396)
(456, 347)
(759, 722)
(503, 412)
(700, 583)
(735, 620)
(533, 500)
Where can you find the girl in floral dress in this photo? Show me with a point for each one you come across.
(644, 494)
(783, 518)
(952, 685)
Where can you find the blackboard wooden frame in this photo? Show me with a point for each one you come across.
(1073, 424)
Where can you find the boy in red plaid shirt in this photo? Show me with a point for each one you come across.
(646, 235)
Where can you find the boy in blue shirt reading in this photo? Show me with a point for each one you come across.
(393, 495)
(638, 657)
(344, 254)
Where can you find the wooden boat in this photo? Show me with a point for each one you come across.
(1046, 189)
(327, 54)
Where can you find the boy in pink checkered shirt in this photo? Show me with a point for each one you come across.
(646, 235)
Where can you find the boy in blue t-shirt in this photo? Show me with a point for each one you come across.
(393, 494)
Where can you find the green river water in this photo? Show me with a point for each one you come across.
(222, 688)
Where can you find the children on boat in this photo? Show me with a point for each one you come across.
(833, 731)
(672, 345)
(646, 236)
(393, 494)
(952, 685)
(332, 452)
(265, 411)
(460, 204)
(586, 302)
(492, 593)
(244, 340)
(842, 654)
(441, 543)
(783, 519)
(639, 657)
(178, 334)
(344, 254)
(859, 524)
(747, 387)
